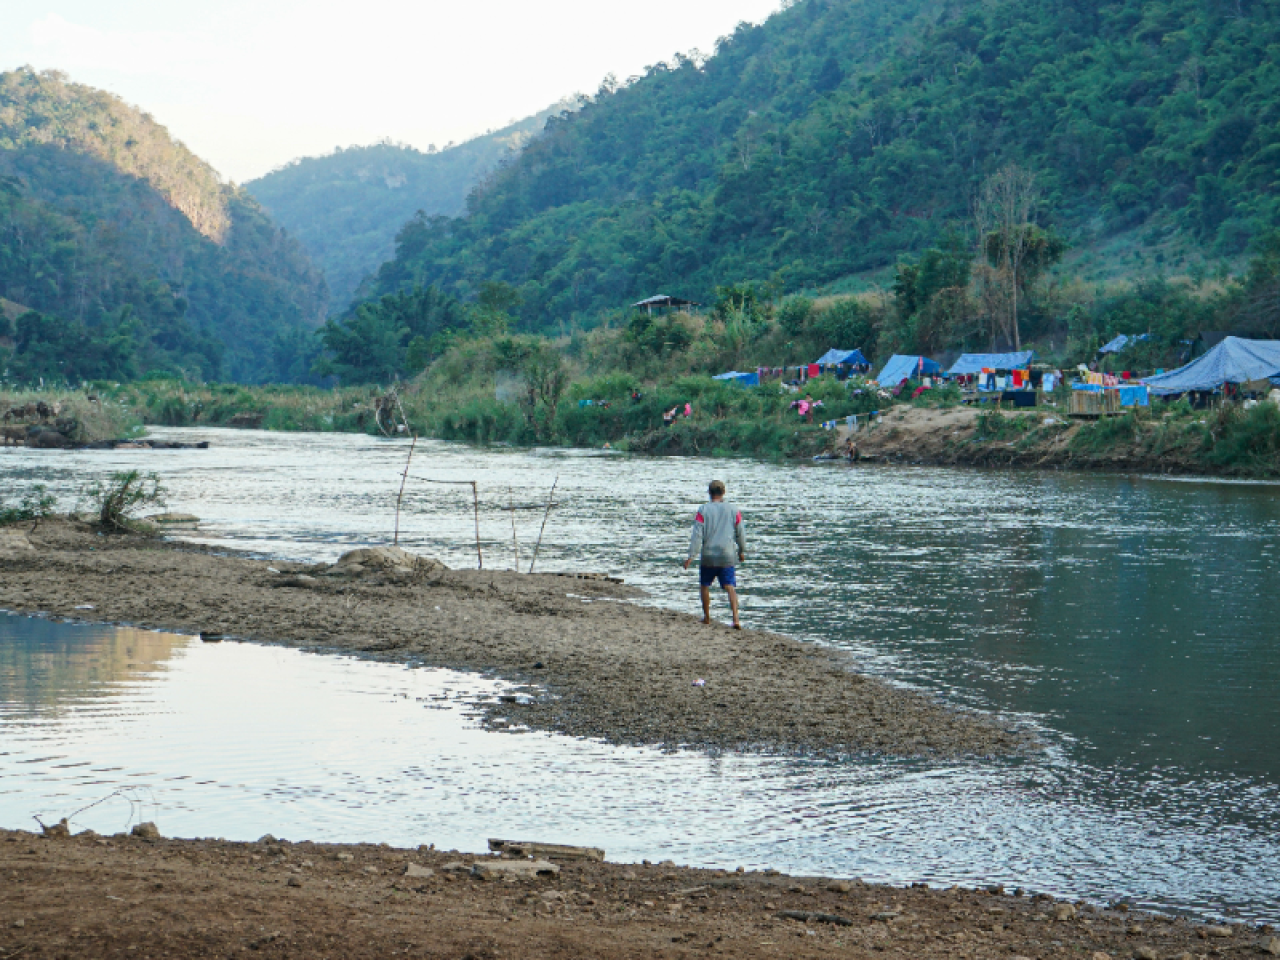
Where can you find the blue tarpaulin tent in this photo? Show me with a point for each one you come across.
(902, 367)
(741, 379)
(1123, 342)
(1234, 360)
(976, 362)
(834, 356)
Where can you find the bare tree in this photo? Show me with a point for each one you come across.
(1002, 212)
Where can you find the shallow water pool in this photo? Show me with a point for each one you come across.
(1129, 620)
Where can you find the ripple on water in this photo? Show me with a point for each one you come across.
(1131, 619)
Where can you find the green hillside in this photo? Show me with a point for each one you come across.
(130, 252)
(843, 135)
(346, 208)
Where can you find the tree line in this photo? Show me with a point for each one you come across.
(839, 137)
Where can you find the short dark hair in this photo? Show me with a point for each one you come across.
(717, 488)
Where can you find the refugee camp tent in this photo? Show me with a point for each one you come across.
(1233, 360)
(902, 367)
(834, 356)
(977, 362)
(1123, 342)
(741, 379)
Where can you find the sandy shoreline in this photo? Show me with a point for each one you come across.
(591, 666)
(127, 897)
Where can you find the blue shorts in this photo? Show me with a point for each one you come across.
(709, 575)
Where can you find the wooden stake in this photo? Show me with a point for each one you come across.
(403, 477)
(515, 542)
(550, 498)
(475, 499)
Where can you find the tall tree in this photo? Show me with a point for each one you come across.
(1002, 213)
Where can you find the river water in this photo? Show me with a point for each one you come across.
(1130, 621)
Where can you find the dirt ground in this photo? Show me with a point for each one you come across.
(949, 437)
(126, 897)
(593, 664)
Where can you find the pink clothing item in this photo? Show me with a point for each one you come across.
(688, 410)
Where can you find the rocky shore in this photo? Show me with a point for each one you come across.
(142, 896)
(589, 661)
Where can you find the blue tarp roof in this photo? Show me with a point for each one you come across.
(1122, 342)
(751, 379)
(901, 367)
(842, 356)
(975, 362)
(1234, 360)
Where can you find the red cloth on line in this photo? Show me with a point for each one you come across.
(814, 370)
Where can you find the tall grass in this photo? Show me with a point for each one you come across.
(91, 416)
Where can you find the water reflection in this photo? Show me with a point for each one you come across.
(1131, 619)
(54, 665)
(237, 740)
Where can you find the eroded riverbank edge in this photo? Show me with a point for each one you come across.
(126, 896)
(592, 663)
(1043, 439)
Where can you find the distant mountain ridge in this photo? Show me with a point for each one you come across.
(45, 110)
(129, 245)
(346, 207)
(841, 135)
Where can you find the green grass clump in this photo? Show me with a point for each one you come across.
(34, 505)
(117, 501)
(1105, 434)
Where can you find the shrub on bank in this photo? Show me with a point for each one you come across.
(87, 416)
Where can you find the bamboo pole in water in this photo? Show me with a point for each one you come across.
(515, 541)
(475, 499)
(550, 498)
(399, 497)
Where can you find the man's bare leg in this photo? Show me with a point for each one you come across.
(733, 605)
(706, 605)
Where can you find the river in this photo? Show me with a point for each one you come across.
(1129, 620)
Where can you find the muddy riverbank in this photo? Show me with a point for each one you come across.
(591, 662)
(126, 896)
(1219, 444)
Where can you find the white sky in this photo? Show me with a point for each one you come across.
(251, 84)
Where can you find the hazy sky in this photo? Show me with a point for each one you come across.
(251, 84)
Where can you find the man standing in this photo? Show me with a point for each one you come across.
(718, 538)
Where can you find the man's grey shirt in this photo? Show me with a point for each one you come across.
(719, 537)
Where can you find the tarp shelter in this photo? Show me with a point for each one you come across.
(901, 367)
(663, 302)
(834, 356)
(741, 379)
(977, 362)
(1233, 360)
(1123, 342)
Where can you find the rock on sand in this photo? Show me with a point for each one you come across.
(392, 560)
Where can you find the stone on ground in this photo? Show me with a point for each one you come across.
(383, 560)
(528, 869)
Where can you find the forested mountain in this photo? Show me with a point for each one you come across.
(130, 252)
(843, 134)
(347, 207)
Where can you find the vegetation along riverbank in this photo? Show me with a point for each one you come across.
(454, 402)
